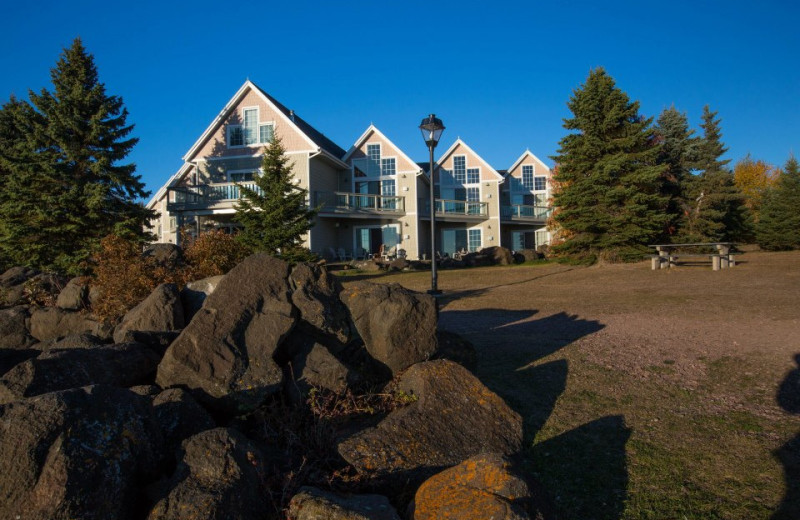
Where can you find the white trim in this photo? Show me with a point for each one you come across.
(258, 154)
(522, 157)
(363, 139)
(452, 149)
(170, 182)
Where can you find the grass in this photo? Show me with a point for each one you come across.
(645, 395)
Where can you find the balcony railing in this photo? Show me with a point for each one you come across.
(203, 196)
(339, 201)
(524, 212)
(455, 207)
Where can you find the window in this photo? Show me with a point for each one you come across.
(240, 176)
(473, 176)
(374, 152)
(527, 177)
(264, 133)
(250, 125)
(540, 183)
(388, 166)
(460, 168)
(235, 136)
(474, 239)
(473, 194)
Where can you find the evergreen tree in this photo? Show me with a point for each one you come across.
(779, 225)
(609, 202)
(275, 214)
(715, 205)
(66, 189)
(678, 148)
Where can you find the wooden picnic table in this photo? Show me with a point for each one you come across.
(668, 254)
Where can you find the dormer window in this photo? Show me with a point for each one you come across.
(251, 132)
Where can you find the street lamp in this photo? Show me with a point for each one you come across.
(432, 129)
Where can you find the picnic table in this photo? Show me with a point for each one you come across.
(669, 254)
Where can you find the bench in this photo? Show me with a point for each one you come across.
(669, 254)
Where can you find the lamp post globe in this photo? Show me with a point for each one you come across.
(432, 128)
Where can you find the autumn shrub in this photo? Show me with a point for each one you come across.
(211, 254)
(124, 277)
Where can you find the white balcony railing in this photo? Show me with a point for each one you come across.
(525, 212)
(181, 198)
(339, 201)
(455, 207)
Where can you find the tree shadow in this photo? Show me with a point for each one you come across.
(450, 296)
(585, 469)
(788, 398)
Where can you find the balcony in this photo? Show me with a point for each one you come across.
(206, 196)
(340, 203)
(455, 208)
(525, 213)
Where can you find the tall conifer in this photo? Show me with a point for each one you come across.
(678, 148)
(275, 214)
(610, 202)
(67, 188)
(779, 225)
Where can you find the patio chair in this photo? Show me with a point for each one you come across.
(344, 255)
(391, 254)
(334, 255)
(363, 255)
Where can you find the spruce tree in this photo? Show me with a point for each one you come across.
(678, 146)
(67, 188)
(609, 203)
(716, 208)
(779, 225)
(275, 215)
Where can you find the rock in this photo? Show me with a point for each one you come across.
(195, 293)
(179, 417)
(315, 504)
(157, 341)
(225, 353)
(166, 255)
(530, 255)
(316, 366)
(455, 417)
(398, 326)
(43, 289)
(498, 255)
(17, 276)
(83, 340)
(119, 365)
(161, 311)
(219, 476)
(53, 323)
(14, 329)
(9, 358)
(146, 390)
(316, 296)
(484, 486)
(455, 348)
(399, 264)
(75, 295)
(81, 453)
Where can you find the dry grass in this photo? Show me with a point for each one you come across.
(645, 394)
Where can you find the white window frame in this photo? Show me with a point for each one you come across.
(543, 179)
(531, 173)
(258, 125)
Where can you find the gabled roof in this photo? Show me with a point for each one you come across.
(315, 138)
(175, 177)
(455, 145)
(361, 140)
(522, 157)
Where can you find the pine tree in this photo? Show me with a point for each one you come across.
(66, 188)
(779, 225)
(678, 148)
(715, 205)
(609, 203)
(275, 214)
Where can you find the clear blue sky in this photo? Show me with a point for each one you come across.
(498, 73)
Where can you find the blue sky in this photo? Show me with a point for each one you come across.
(499, 73)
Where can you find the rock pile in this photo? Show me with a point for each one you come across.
(164, 416)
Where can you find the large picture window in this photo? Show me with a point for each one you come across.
(540, 183)
(527, 177)
(251, 132)
(460, 169)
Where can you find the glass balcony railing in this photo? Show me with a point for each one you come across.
(361, 202)
(524, 212)
(455, 207)
(205, 195)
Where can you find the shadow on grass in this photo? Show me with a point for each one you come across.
(584, 469)
(450, 296)
(789, 454)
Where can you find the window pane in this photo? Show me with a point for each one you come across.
(265, 134)
(540, 183)
(473, 176)
(250, 125)
(235, 136)
(388, 166)
(460, 168)
(474, 239)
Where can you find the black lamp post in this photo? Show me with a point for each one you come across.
(432, 129)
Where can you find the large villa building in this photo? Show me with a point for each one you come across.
(371, 195)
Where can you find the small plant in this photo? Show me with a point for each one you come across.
(211, 254)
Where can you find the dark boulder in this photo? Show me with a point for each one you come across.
(11, 357)
(315, 366)
(122, 365)
(484, 486)
(455, 348)
(195, 293)
(14, 328)
(179, 417)
(225, 352)
(161, 311)
(53, 323)
(498, 255)
(81, 453)
(455, 417)
(315, 504)
(399, 264)
(157, 341)
(398, 326)
(163, 254)
(83, 340)
(12, 284)
(316, 296)
(220, 476)
(530, 255)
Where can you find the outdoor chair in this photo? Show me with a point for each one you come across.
(344, 255)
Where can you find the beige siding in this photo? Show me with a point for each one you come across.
(323, 175)
(388, 149)
(216, 144)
